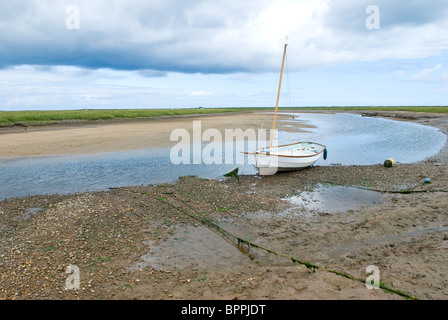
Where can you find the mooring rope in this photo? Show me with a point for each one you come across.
(403, 191)
(231, 237)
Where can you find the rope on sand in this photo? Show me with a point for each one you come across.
(240, 242)
(403, 191)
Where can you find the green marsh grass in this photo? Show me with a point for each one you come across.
(11, 117)
(36, 117)
(438, 109)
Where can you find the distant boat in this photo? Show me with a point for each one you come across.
(287, 157)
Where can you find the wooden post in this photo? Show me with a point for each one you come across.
(278, 96)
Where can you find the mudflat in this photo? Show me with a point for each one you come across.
(159, 242)
(110, 136)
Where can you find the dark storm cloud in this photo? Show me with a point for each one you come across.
(192, 36)
(126, 35)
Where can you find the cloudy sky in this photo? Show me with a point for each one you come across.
(76, 54)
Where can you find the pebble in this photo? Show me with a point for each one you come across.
(100, 226)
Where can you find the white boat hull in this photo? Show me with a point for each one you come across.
(287, 158)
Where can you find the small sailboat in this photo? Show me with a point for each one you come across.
(287, 157)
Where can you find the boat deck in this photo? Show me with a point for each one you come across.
(302, 149)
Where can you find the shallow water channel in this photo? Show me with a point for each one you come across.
(350, 140)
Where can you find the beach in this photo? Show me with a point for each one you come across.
(156, 242)
(82, 137)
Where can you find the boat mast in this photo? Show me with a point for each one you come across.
(278, 95)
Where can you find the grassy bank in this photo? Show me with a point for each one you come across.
(409, 109)
(14, 117)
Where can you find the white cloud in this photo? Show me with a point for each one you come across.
(137, 53)
(426, 73)
(201, 93)
(217, 36)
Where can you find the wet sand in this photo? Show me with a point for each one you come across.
(110, 136)
(119, 239)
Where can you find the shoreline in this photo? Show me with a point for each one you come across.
(101, 136)
(104, 233)
(435, 120)
(114, 136)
